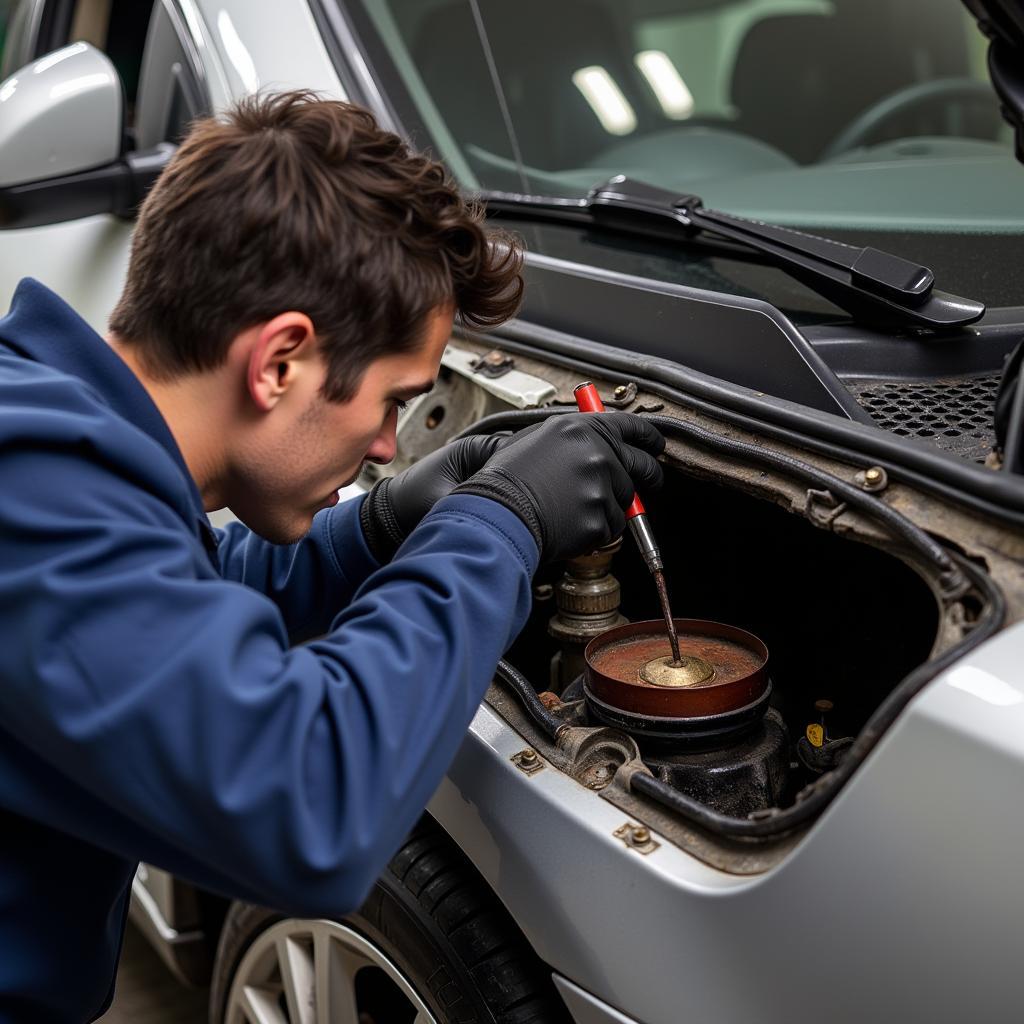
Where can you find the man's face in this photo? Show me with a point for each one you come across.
(309, 447)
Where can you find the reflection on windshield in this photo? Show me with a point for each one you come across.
(855, 114)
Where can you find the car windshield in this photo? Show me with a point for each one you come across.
(849, 117)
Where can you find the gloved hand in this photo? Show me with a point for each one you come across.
(396, 505)
(571, 478)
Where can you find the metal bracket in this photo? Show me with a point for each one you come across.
(527, 761)
(823, 509)
(519, 389)
(636, 837)
(622, 397)
(494, 365)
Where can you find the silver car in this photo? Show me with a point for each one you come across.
(790, 232)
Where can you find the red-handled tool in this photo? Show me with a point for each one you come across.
(588, 400)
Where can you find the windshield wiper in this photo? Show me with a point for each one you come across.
(873, 286)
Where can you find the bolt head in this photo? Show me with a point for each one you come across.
(873, 475)
(620, 391)
(528, 756)
(641, 835)
(823, 706)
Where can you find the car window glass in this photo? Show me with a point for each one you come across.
(441, 61)
(800, 111)
(871, 121)
(14, 26)
(5, 14)
(117, 27)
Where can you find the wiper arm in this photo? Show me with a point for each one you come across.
(873, 286)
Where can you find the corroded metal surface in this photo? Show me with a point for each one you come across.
(666, 611)
(615, 660)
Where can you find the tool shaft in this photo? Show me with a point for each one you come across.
(641, 530)
(666, 610)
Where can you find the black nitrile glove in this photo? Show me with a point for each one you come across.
(396, 505)
(571, 478)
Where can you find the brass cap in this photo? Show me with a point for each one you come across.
(688, 671)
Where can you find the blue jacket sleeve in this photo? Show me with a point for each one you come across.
(309, 581)
(164, 716)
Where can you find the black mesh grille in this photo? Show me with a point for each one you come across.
(954, 415)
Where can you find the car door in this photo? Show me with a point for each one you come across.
(84, 260)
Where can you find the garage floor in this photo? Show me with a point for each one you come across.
(147, 993)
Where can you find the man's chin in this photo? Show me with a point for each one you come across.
(279, 531)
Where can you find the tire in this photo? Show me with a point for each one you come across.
(431, 929)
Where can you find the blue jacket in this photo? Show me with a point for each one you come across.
(153, 704)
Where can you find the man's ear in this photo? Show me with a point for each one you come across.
(282, 347)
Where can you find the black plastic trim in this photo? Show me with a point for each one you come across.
(116, 188)
(743, 340)
(858, 352)
(875, 287)
(996, 495)
(54, 200)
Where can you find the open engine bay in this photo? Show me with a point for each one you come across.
(816, 597)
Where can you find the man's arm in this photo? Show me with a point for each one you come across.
(309, 581)
(163, 716)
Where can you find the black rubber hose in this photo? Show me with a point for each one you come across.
(997, 495)
(888, 517)
(954, 569)
(514, 419)
(895, 521)
(532, 704)
(775, 822)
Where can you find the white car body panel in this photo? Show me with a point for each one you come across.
(84, 261)
(273, 51)
(650, 935)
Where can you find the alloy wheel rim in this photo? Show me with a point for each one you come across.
(320, 972)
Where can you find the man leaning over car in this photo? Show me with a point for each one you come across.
(294, 278)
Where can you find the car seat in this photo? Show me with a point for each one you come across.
(536, 45)
(800, 78)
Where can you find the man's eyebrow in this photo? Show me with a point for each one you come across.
(412, 390)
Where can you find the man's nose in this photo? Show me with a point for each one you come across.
(384, 445)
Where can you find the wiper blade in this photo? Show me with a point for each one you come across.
(874, 287)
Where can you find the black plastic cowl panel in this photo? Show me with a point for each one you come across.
(737, 339)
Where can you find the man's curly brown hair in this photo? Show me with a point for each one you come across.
(294, 202)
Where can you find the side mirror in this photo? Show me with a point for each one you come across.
(62, 153)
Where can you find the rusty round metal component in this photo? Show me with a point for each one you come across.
(616, 661)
